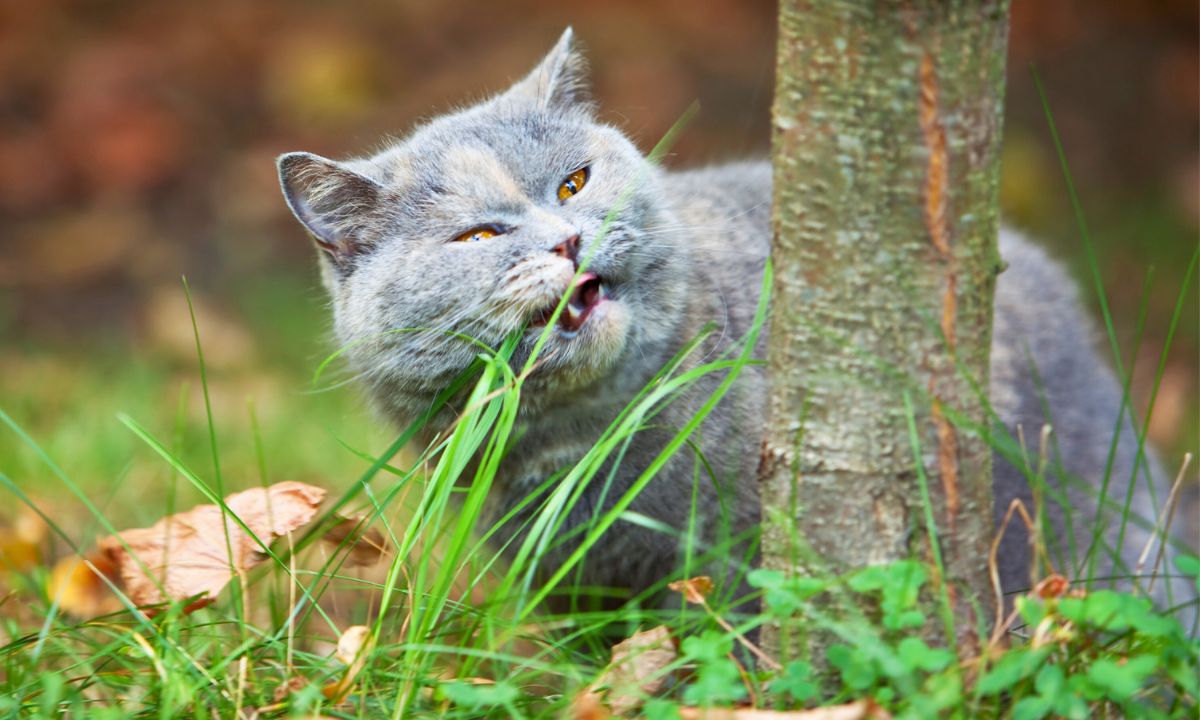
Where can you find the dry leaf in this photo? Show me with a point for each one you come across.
(633, 674)
(79, 590)
(20, 544)
(292, 685)
(694, 589)
(1054, 586)
(351, 643)
(17, 555)
(187, 554)
(353, 648)
(30, 526)
(860, 710)
(363, 545)
(588, 705)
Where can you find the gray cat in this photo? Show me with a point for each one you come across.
(476, 223)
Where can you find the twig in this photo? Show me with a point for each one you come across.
(993, 561)
(1164, 521)
(766, 659)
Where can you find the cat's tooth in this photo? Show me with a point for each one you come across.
(572, 313)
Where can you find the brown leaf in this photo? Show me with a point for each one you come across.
(588, 705)
(351, 643)
(79, 590)
(363, 545)
(189, 553)
(694, 589)
(1054, 586)
(633, 674)
(860, 710)
(29, 526)
(21, 542)
(17, 554)
(353, 648)
(292, 685)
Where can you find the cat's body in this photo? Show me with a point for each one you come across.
(476, 223)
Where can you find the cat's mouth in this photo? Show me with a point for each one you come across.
(587, 293)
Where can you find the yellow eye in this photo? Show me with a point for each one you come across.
(477, 234)
(573, 184)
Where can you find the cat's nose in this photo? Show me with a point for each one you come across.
(568, 248)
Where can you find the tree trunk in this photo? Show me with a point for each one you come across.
(887, 128)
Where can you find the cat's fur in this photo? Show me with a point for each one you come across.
(687, 249)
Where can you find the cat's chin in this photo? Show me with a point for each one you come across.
(577, 355)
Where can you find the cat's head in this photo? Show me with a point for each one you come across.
(476, 225)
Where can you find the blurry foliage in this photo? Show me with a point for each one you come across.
(259, 385)
(137, 142)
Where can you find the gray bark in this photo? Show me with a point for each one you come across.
(886, 138)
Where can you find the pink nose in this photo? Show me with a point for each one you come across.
(568, 248)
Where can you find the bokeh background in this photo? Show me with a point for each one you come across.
(137, 141)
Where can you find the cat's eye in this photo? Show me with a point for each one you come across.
(573, 184)
(480, 233)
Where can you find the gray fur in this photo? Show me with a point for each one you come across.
(686, 249)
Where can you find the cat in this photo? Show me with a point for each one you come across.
(476, 223)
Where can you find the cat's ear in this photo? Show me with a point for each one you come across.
(337, 205)
(559, 81)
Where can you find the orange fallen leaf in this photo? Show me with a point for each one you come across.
(694, 590)
(354, 648)
(16, 555)
(196, 553)
(289, 687)
(20, 544)
(350, 644)
(363, 545)
(79, 590)
(30, 526)
(1054, 586)
(587, 705)
(634, 673)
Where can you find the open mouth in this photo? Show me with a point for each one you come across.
(587, 293)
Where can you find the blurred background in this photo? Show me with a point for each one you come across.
(137, 141)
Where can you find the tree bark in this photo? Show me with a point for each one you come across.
(886, 138)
